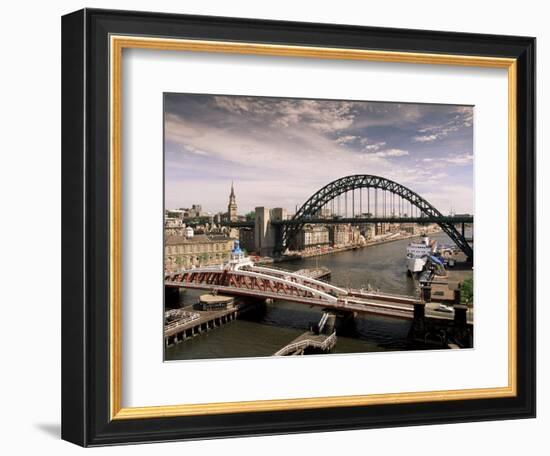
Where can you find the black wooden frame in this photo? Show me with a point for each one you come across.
(85, 224)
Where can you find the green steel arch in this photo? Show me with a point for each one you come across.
(345, 184)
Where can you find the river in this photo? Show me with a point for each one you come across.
(381, 266)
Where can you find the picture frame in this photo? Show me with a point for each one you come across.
(92, 366)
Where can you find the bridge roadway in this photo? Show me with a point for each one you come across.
(357, 220)
(264, 283)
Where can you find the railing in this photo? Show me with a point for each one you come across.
(303, 344)
(186, 317)
(323, 322)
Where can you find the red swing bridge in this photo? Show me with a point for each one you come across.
(240, 277)
(269, 283)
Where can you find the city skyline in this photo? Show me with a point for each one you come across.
(280, 151)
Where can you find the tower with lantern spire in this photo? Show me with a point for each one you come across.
(232, 206)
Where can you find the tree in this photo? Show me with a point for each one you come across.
(467, 291)
(250, 215)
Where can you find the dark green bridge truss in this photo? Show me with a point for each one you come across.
(310, 210)
(321, 198)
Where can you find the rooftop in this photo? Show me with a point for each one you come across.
(198, 238)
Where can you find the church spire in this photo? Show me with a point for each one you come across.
(232, 206)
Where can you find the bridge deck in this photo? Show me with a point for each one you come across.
(359, 220)
(266, 283)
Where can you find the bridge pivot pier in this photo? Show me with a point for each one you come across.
(456, 332)
(171, 297)
(256, 308)
(426, 292)
(462, 331)
(419, 320)
(340, 321)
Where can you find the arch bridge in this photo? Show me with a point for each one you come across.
(383, 200)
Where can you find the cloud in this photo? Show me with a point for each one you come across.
(391, 153)
(346, 139)
(239, 105)
(458, 118)
(280, 151)
(447, 196)
(195, 151)
(325, 116)
(373, 145)
(464, 115)
(463, 159)
(246, 153)
(426, 138)
(460, 159)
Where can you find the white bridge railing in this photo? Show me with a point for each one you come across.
(323, 322)
(305, 343)
(184, 318)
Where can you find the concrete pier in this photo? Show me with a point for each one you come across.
(431, 326)
(339, 321)
(215, 302)
(419, 318)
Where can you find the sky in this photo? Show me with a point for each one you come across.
(280, 151)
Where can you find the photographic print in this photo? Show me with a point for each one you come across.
(297, 227)
(323, 230)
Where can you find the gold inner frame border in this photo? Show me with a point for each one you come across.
(117, 44)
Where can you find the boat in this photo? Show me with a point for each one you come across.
(447, 253)
(238, 259)
(417, 252)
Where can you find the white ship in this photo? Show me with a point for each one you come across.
(417, 253)
(237, 259)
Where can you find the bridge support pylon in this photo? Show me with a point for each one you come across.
(460, 319)
(462, 333)
(419, 320)
(171, 297)
(342, 322)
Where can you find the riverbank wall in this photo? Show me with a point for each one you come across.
(303, 255)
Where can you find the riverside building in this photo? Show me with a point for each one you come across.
(181, 252)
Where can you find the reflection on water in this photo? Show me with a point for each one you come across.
(381, 266)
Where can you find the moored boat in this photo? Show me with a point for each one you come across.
(417, 253)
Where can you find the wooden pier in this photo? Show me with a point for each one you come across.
(430, 318)
(199, 321)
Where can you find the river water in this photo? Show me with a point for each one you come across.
(381, 266)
